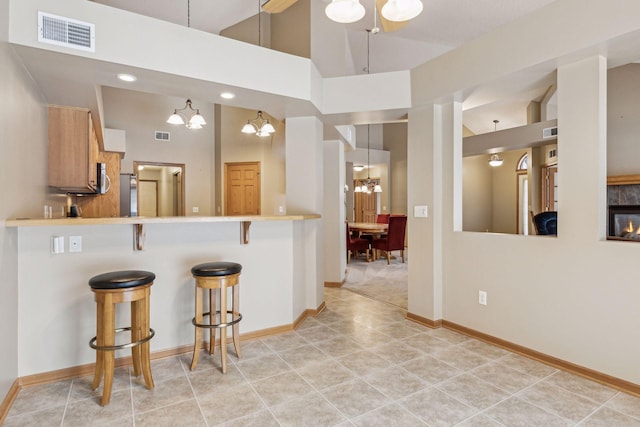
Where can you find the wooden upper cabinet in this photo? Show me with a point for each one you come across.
(73, 150)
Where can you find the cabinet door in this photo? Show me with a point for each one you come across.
(73, 150)
(94, 153)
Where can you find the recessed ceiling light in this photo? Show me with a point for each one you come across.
(127, 77)
(227, 95)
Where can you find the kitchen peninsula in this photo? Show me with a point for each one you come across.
(279, 287)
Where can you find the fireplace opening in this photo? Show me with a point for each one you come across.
(624, 222)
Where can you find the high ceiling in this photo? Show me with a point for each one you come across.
(443, 25)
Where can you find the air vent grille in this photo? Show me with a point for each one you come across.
(162, 136)
(66, 32)
(550, 132)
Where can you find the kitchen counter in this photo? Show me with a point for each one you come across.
(281, 282)
(39, 222)
(139, 221)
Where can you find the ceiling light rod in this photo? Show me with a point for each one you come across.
(194, 120)
(366, 187)
(369, 185)
(259, 126)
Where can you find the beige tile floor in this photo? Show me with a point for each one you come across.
(359, 363)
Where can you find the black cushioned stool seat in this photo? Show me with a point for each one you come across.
(216, 269)
(109, 289)
(212, 276)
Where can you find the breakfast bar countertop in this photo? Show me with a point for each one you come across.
(40, 222)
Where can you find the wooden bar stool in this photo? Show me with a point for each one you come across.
(219, 276)
(110, 289)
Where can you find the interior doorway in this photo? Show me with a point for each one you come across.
(242, 188)
(166, 197)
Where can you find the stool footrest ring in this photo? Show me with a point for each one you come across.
(217, 325)
(93, 345)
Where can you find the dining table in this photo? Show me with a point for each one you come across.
(372, 228)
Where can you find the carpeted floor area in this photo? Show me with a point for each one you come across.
(377, 280)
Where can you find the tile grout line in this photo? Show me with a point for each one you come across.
(133, 405)
(64, 411)
(540, 380)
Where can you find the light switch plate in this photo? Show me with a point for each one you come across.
(421, 211)
(57, 244)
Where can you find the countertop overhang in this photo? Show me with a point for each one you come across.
(45, 222)
(138, 222)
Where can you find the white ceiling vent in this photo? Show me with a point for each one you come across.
(550, 132)
(66, 32)
(162, 136)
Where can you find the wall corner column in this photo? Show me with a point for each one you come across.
(425, 167)
(334, 212)
(304, 188)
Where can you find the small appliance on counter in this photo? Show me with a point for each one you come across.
(128, 194)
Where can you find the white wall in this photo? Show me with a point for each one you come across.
(329, 50)
(140, 115)
(505, 192)
(57, 310)
(269, 151)
(305, 189)
(623, 120)
(566, 297)
(24, 173)
(395, 142)
(334, 212)
(477, 190)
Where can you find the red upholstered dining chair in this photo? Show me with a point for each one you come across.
(395, 238)
(356, 244)
(382, 218)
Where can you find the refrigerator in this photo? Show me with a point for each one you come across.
(128, 194)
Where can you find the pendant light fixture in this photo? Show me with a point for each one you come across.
(345, 11)
(349, 11)
(401, 10)
(259, 126)
(495, 160)
(369, 185)
(188, 116)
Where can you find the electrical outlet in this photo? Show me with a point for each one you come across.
(75, 243)
(195, 209)
(482, 297)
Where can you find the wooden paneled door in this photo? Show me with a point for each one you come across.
(365, 204)
(242, 188)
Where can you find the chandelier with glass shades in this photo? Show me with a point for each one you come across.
(495, 160)
(188, 116)
(348, 11)
(259, 126)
